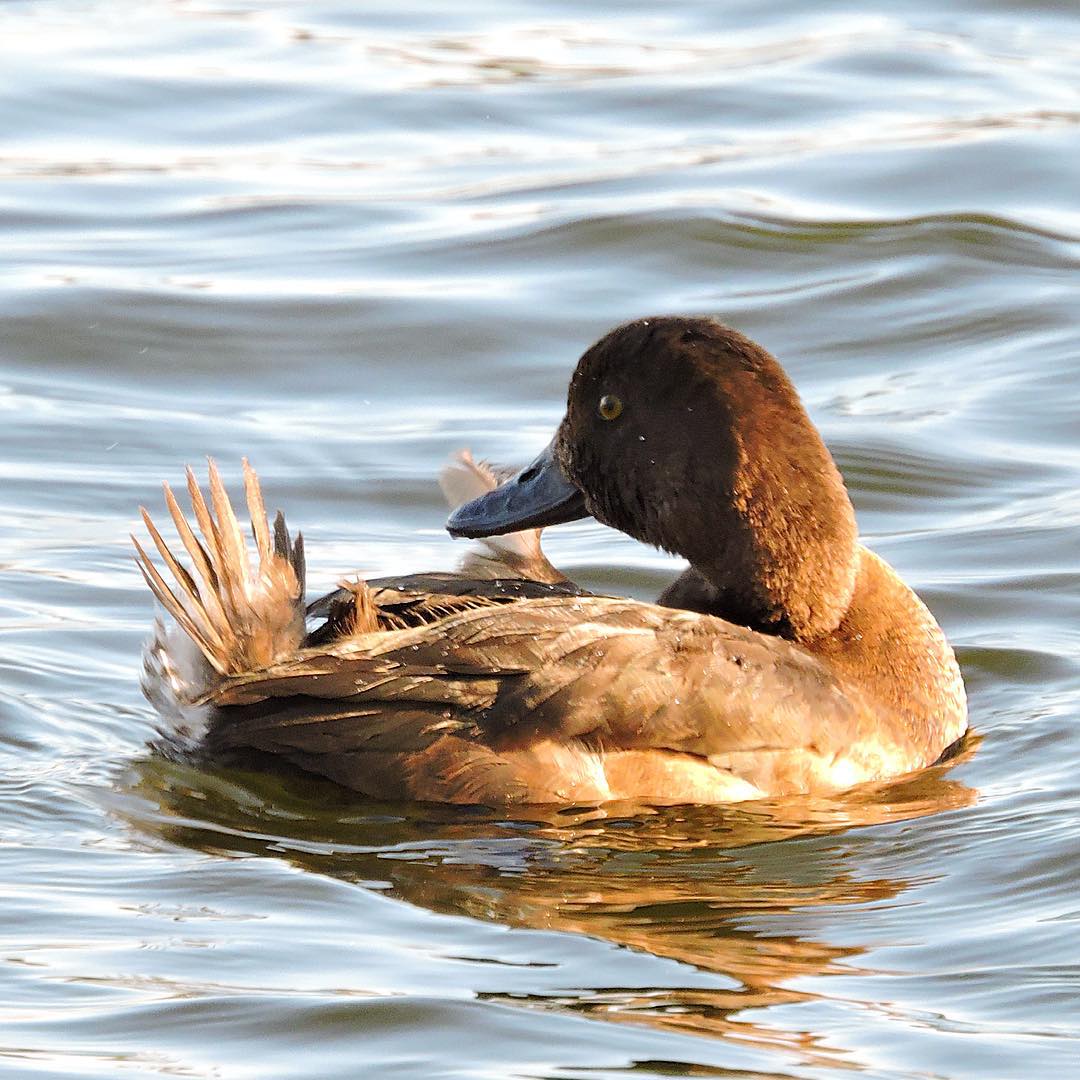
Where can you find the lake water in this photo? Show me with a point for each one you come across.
(346, 239)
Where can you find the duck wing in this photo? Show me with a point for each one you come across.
(419, 600)
(459, 709)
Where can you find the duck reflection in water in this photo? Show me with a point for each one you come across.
(742, 916)
(787, 659)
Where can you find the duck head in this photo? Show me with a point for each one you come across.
(686, 435)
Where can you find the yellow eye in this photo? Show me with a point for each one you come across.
(610, 407)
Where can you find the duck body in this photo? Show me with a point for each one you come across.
(775, 665)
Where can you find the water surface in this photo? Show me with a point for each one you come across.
(347, 239)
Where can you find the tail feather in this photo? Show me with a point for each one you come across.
(293, 553)
(199, 555)
(239, 618)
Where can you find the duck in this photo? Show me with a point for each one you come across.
(787, 659)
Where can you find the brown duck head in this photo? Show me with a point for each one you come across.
(686, 435)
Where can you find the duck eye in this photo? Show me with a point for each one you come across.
(610, 407)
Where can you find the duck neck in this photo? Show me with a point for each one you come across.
(782, 555)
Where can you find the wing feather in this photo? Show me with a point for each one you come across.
(622, 674)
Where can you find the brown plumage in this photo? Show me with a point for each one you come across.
(787, 659)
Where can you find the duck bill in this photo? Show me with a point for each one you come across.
(539, 495)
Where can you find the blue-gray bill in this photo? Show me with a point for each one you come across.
(538, 496)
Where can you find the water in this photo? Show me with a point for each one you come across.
(345, 239)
